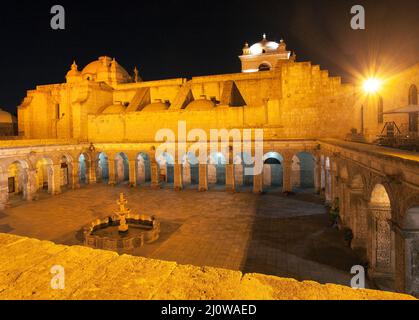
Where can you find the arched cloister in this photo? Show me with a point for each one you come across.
(17, 179)
(217, 169)
(143, 168)
(273, 170)
(190, 169)
(65, 171)
(302, 172)
(83, 168)
(381, 246)
(166, 162)
(102, 171)
(121, 168)
(44, 175)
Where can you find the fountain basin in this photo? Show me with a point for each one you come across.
(104, 234)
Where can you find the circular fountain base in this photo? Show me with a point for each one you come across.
(105, 234)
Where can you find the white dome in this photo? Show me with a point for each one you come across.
(264, 46)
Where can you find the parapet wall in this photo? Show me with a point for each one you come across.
(25, 266)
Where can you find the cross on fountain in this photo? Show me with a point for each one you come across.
(122, 212)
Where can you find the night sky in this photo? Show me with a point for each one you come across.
(176, 38)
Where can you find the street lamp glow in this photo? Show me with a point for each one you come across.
(372, 85)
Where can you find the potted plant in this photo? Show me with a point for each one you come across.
(348, 236)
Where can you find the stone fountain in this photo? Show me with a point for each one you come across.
(122, 232)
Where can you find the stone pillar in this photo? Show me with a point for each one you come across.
(333, 185)
(380, 249)
(407, 268)
(318, 175)
(75, 179)
(55, 188)
(230, 177)
(203, 177)
(132, 173)
(91, 171)
(30, 188)
(286, 176)
(258, 183)
(178, 176)
(155, 174)
(111, 170)
(358, 209)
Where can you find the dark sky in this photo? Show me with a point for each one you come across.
(177, 38)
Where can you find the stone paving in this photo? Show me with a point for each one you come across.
(270, 233)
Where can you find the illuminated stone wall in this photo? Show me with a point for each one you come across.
(98, 274)
(295, 100)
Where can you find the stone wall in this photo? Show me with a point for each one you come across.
(96, 274)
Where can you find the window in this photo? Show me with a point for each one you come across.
(264, 67)
(57, 111)
(380, 110)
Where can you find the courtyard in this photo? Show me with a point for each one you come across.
(269, 233)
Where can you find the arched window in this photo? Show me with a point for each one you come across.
(413, 95)
(264, 67)
(380, 110)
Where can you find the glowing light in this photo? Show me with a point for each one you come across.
(372, 85)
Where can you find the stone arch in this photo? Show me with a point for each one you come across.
(381, 246)
(303, 171)
(273, 170)
(121, 167)
(83, 172)
(190, 169)
(217, 169)
(265, 66)
(143, 167)
(66, 165)
(44, 174)
(166, 163)
(17, 178)
(102, 169)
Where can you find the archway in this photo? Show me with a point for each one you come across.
(217, 169)
(381, 245)
(143, 168)
(273, 170)
(166, 163)
(358, 212)
(17, 179)
(83, 169)
(44, 175)
(65, 171)
(265, 67)
(302, 172)
(121, 168)
(102, 172)
(190, 173)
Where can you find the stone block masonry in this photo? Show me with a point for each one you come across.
(25, 273)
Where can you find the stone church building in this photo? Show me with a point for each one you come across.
(100, 126)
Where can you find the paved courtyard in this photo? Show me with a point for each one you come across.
(270, 233)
